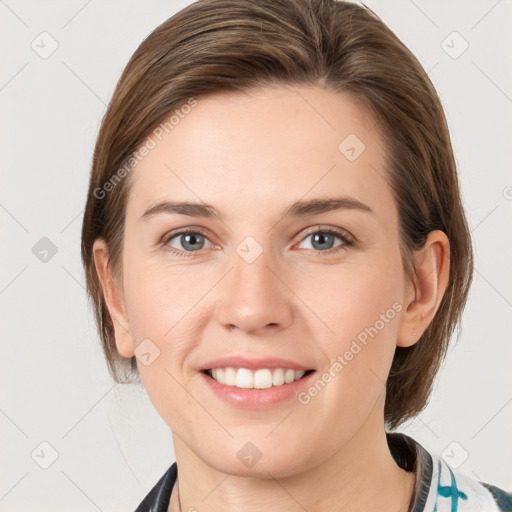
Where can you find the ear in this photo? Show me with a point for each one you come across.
(113, 298)
(423, 296)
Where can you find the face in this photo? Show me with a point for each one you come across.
(264, 284)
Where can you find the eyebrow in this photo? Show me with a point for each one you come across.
(296, 209)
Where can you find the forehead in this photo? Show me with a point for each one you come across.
(268, 148)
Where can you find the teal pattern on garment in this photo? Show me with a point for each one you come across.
(450, 491)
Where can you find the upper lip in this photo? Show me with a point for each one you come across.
(252, 363)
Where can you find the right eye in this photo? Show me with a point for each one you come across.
(185, 242)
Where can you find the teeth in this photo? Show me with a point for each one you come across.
(289, 376)
(219, 375)
(262, 379)
(244, 378)
(278, 377)
(229, 377)
(259, 379)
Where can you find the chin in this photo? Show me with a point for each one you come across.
(249, 461)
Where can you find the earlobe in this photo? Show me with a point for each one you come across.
(113, 300)
(423, 296)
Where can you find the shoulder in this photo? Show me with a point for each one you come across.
(440, 488)
(157, 500)
(454, 490)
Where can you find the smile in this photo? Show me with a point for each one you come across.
(262, 378)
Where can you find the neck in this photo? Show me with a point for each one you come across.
(361, 476)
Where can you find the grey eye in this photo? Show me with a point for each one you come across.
(323, 240)
(189, 242)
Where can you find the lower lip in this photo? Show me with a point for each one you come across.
(257, 398)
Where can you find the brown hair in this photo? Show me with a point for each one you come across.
(214, 46)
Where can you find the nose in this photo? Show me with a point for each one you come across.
(254, 297)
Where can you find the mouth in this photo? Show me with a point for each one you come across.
(261, 378)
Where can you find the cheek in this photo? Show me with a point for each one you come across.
(160, 309)
(364, 314)
(361, 306)
(166, 316)
(159, 298)
(350, 299)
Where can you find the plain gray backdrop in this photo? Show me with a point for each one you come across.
(70, 437)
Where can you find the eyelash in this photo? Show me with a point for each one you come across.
(348, 241)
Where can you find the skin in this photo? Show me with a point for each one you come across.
(251, 156)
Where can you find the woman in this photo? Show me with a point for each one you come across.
(274, 242)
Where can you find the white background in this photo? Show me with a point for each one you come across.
(112, 446)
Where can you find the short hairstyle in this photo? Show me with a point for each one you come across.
(223, 46)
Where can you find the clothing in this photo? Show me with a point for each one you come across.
(438, 487)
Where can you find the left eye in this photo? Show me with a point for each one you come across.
(323, 240)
